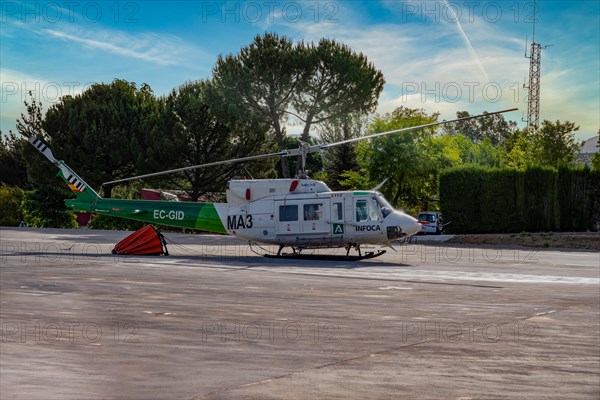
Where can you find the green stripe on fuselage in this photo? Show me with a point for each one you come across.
(201, 216)
(209, 220)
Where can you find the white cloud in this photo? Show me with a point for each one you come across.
(72, 57)
(14, 91)
(410, 58)
(161, 49)
(434, 58)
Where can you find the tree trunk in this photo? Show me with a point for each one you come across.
(196, 186)
(304, 137)
(285, 168)
(398, 192)
(107, 191)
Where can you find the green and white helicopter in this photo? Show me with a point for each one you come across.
(298, 213)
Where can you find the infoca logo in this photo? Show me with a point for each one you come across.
(367, 228)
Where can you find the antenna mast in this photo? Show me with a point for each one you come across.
(535, 58)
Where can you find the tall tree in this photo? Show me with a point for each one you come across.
(31, 124)
(13, 169)
(518, 150)
(552, 145)
(262, 79)
(555, 143)
(192, 134)
(44, 205)
(313, 83)
(482, 153)
(494, 127)
(342, 158)
(401, 157)
(340, 82)
(95, 132)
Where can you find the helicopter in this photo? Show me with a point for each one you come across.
(299, 213)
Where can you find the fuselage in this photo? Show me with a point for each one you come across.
(305, 213)
(301, 213)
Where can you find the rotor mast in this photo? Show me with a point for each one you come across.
(304, 149)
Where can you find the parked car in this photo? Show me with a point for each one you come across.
(431, 222)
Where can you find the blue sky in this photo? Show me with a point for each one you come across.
(441, 55)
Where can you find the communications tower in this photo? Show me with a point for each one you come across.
(535, 58)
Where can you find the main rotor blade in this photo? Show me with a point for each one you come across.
(323, 146)
(303, 150)
(283, 153)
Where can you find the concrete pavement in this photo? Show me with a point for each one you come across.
(215, 321)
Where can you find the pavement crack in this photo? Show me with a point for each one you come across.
(365, 356)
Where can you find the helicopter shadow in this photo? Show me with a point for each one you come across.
(227, 263)
(256, 261)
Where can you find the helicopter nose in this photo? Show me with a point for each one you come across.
(402, 226)
(410, 225)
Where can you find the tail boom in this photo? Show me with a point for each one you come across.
(210, 217)
(207, 217)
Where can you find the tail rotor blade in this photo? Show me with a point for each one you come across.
(42, 148)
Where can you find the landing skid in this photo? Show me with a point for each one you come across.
(297, 253)
(326, 257)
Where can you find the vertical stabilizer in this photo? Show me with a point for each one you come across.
(81, 189)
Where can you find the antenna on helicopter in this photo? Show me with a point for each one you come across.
(381, 184)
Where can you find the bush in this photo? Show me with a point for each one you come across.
(10, 201)
(44, 207)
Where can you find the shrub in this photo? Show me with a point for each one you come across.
(10, 201)
(44, 207)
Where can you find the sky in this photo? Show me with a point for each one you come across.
(442, 56)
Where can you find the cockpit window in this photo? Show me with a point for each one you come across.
(365, 211)
(385, 207)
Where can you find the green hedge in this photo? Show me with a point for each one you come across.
(483, 200)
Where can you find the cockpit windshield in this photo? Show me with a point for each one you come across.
(385, 207)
